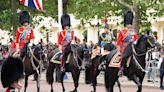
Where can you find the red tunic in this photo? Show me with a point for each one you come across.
(28, 37)
(62, 41)
(13, 45)
(8, 90)
(61, 38)
(122, 36)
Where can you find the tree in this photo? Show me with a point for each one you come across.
(6, 16)
(87, 9)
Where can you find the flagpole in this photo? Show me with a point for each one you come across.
(60, 12)
(14, 19)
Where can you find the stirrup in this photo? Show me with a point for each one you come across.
(120, 73)
(62, 69)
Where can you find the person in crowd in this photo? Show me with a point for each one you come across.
(11, 74)
(162, 70)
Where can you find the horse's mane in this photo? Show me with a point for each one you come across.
(38, 47)
(139, 40)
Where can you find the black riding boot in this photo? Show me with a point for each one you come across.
(23, 52)
(64, 59)
(67, 50)
(120, 73)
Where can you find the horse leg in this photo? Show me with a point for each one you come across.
(52, 87)
(49, 75)
(119, 85)
(26, 83)
(62, 76)
(110, 78)
(97, 72)
(141, 80)
(137, 81)
(75, 75)
(38, 83)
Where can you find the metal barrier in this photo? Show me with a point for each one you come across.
(152, 66)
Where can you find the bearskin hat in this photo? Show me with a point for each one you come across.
(12, 70)
(128, 18)
(65, 20)
(24, 17)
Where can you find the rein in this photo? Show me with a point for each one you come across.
(38, 61)
(76, 59)
(134, 51)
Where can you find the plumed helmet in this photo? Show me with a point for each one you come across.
(65, 20)
(12, 70)
(106, 26)
(105, 20)
(24, 17)
(128, 18)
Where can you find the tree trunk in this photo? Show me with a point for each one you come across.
(136, 18)
(65, 2)
(14, 18)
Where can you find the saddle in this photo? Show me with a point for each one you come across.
(116, 59)
(56, 58)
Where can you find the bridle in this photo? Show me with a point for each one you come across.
(39, 61)
(137, 54)
(76, 56)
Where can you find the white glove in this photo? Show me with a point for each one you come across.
(30, 44)
(73, 42)
(135, 42)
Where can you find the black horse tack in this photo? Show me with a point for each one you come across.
(138, 53)
(74, 65)
(34, 60)
(97, 64)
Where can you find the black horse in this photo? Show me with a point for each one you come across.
(54, 55)
(34, 61)
(98, 64)
(137, 62)
(76, 57)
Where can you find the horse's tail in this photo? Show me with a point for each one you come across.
(49, 73)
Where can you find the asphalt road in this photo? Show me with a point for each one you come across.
(82, 88)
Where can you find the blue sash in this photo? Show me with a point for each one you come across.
(25, 34)
(128, 38)
(68, 37)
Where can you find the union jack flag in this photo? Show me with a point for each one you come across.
(35, 4)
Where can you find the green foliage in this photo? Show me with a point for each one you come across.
(86, 9)
(50, 7)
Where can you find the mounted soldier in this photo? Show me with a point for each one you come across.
(24, 33)
(106, 36)
(66, 37)
(126, 36)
